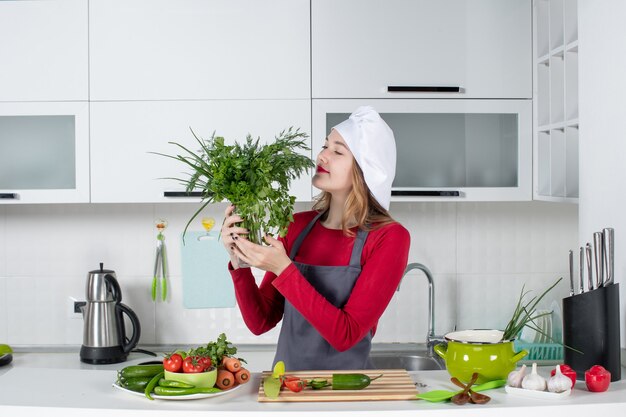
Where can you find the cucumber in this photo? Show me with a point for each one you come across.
(140, 371)
(318, 383)
(351, 381)
(135, 384)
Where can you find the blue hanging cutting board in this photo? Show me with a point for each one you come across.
(206, 280)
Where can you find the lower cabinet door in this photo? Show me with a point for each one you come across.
(126, 135)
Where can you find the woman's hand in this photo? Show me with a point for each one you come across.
(268, 258)
(230, 230)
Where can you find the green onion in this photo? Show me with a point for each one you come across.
(525, 314)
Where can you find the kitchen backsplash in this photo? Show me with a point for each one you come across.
(480, 255)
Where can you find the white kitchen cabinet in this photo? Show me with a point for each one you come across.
(124, 133)
(44, 152)
(360, 48)
(556, 105)
(449, 150)
(43, 50)
(199, 49)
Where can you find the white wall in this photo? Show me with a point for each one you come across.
(602, 89)
(480, 255)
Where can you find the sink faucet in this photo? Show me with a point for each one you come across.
(431, 339)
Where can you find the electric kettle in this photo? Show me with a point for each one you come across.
(104, 336)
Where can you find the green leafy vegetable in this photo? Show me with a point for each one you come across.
(525, 314)
(216, 350)
(254, 177)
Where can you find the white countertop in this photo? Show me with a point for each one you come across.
(58, 384)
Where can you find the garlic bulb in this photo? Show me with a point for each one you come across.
(559, 382)
(515, 377)
(534, 381)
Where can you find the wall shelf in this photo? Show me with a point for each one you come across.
(556, 100)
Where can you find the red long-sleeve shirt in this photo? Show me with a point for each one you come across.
(383, 261)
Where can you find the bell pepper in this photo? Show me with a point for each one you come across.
(597, 378)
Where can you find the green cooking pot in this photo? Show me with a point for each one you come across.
(480, 351)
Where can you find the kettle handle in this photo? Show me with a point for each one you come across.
(114, 286)
(123, 308)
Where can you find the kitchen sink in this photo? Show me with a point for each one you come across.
(410, 362)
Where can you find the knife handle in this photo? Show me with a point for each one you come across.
(571, 272)
(589, 267)
(598, 246)
(608, 235)
(581, 271)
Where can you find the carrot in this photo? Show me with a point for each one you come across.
(232, 364)
(242, 376)
(225, 379)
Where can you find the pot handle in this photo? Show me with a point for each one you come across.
(441, 349)
(519, 355)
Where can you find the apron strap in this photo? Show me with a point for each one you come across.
(357, 249)
(302, 235)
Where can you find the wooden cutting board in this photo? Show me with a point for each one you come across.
(395, 384)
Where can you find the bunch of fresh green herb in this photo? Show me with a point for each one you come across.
(216, 350)
(254, 177)
(525, 314)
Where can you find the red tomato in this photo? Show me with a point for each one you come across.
(173, 362)
(597, 378)
(191, 365)
(205, 361)
(284, 378)
(294, 384)
(568, 372)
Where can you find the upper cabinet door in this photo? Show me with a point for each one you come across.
(124, 136)
(199, 49)
(360, 48)
(44, 152)
(43, 50)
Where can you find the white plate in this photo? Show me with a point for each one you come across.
(528, 335)
(541, 323)
(557, 322)
(542, 395)
(177, 397)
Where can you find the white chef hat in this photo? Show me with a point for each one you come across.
(373, 145)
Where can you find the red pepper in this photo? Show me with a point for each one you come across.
(597, 378)
(294, 384)
(568, 372)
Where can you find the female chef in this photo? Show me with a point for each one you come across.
(333, 274)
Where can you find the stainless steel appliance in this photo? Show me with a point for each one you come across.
(104, 336)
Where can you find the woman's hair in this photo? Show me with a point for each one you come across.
(361, 208)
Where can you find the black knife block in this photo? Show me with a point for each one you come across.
(591, 325)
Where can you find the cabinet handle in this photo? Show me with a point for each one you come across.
(422, 89)
(182, 194)
(9, 196)
(420, 193)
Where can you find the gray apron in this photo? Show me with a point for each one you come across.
(300, 345)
